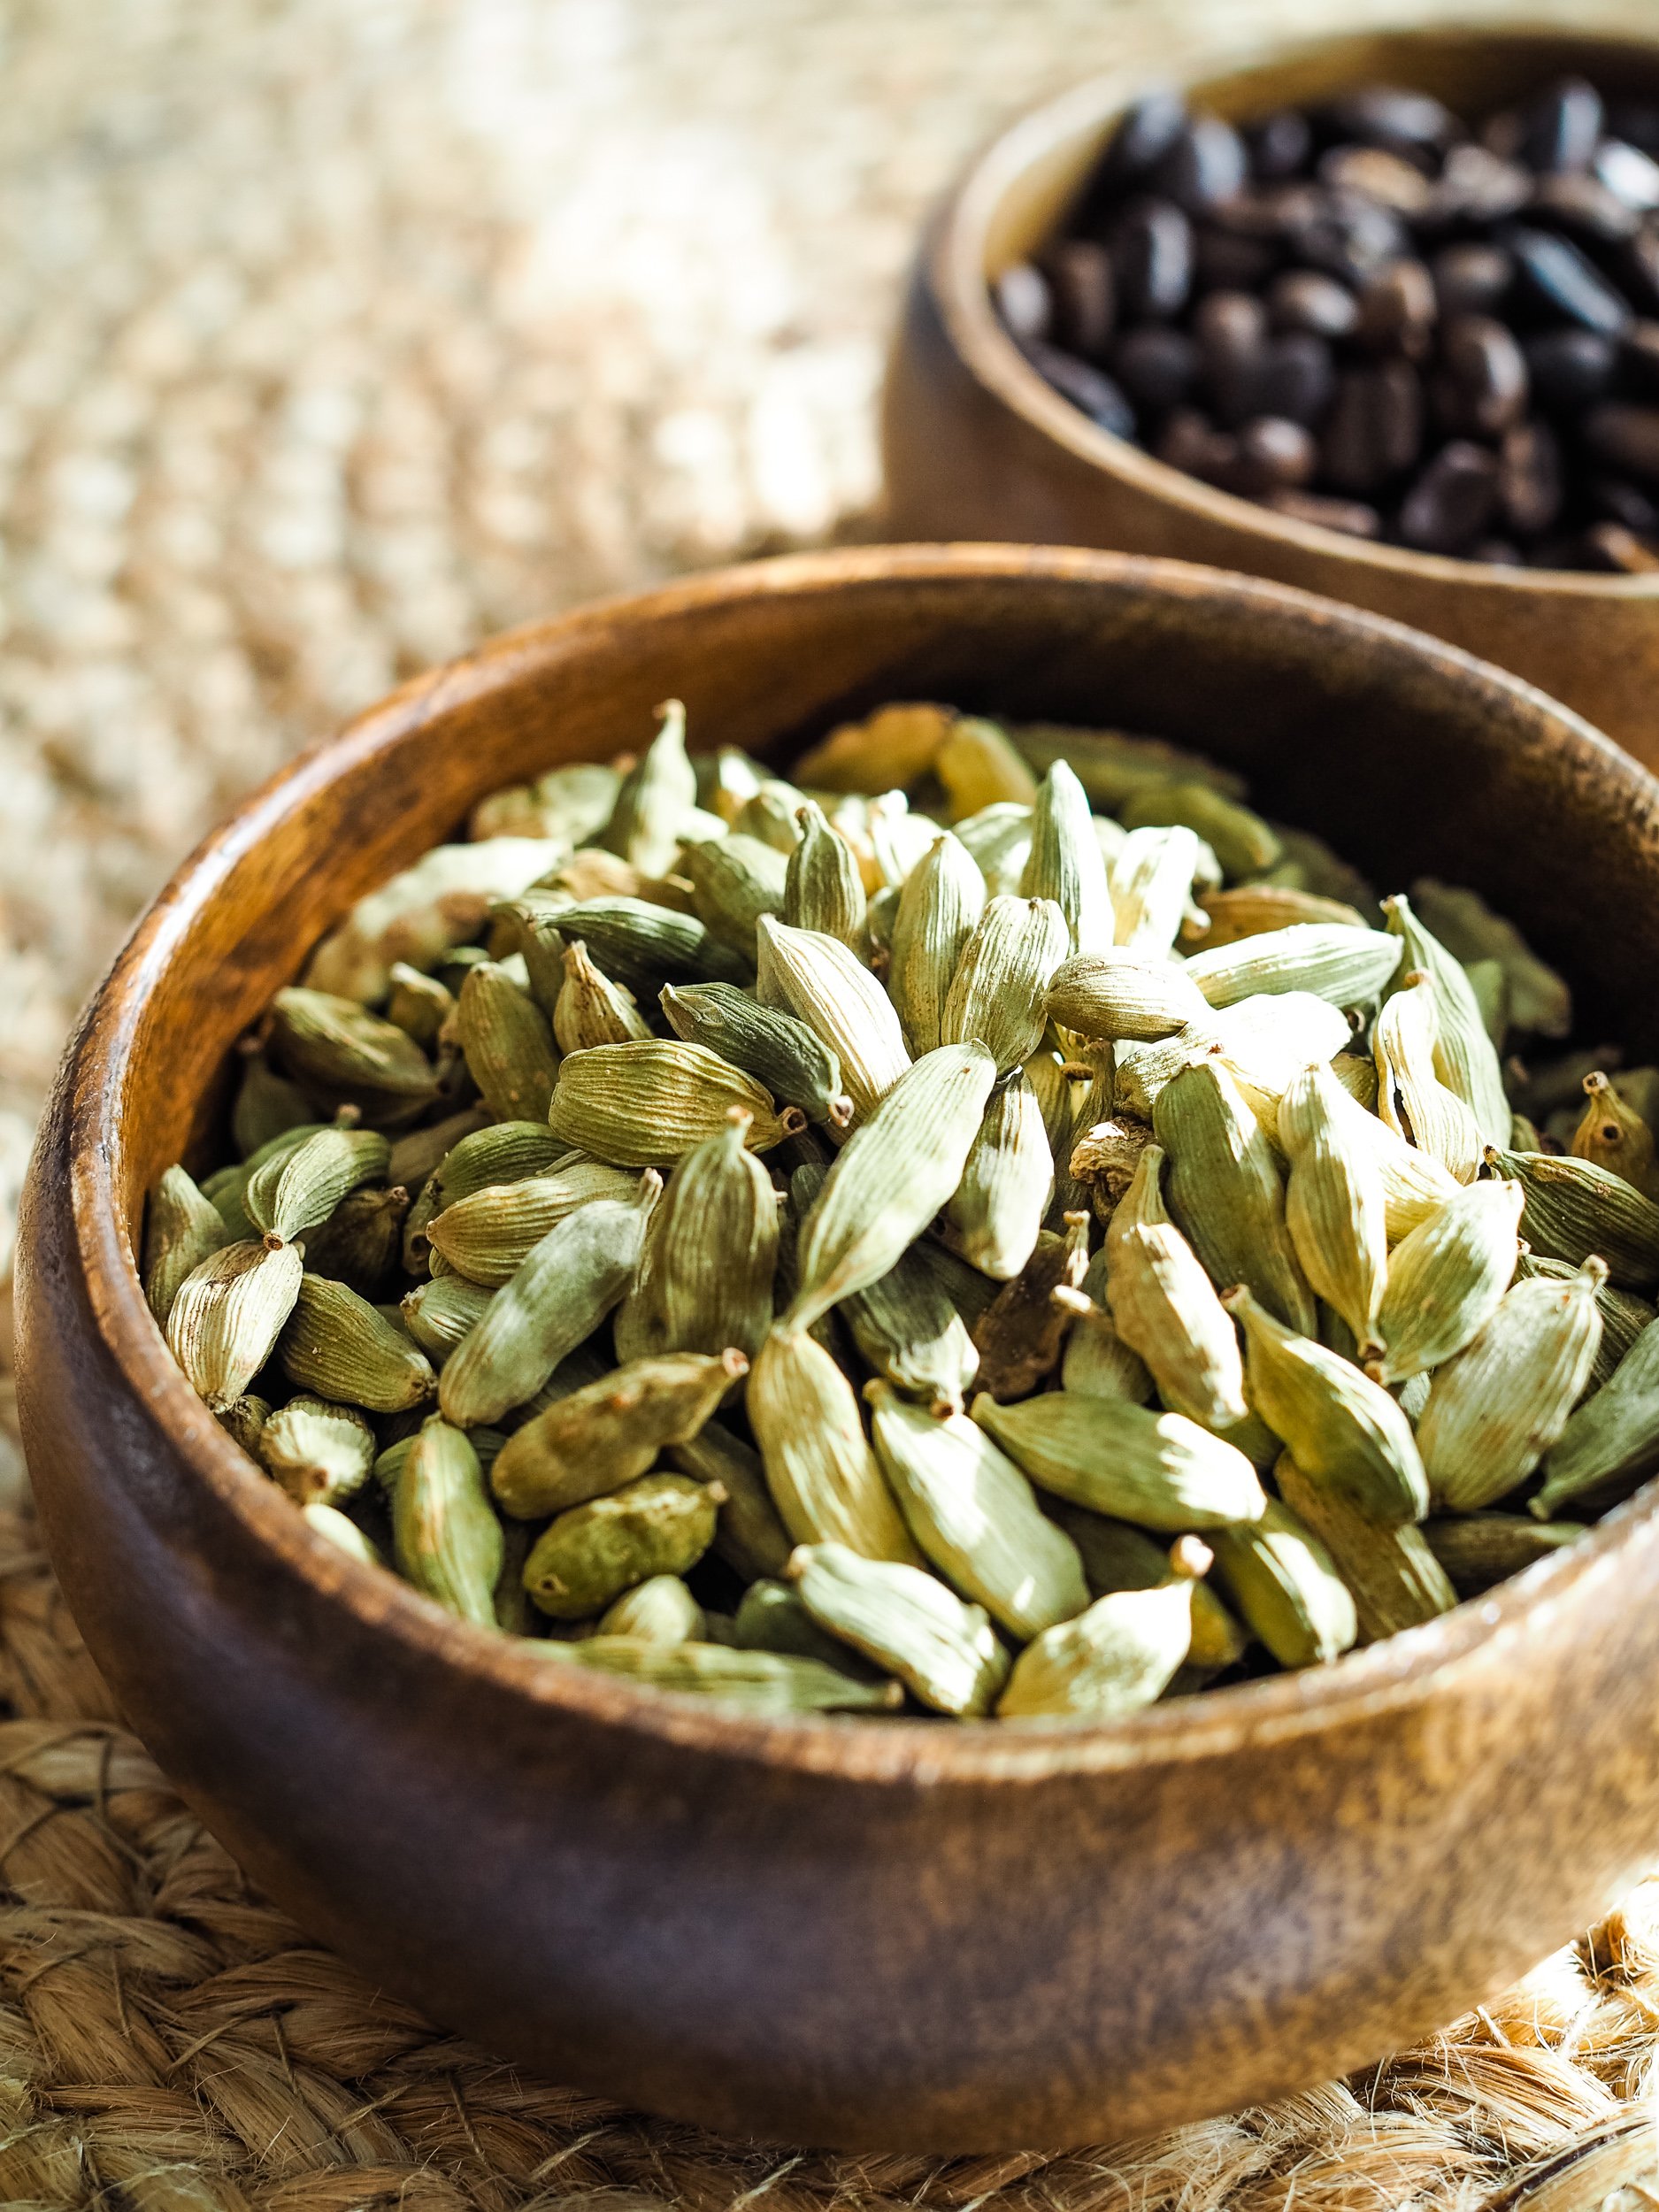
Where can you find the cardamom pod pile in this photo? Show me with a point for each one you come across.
(1034, 1242)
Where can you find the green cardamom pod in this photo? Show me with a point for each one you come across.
(997, 839)
(590, 1009)
(265, 1105)
(508, 1041)
(1119, 995)
(640, 944)
(1165, 1307)
(226, 1190)
(996, 1213)
(1158, 1470)
(659, 1610)
(446, 1539)
(778, 1050)
(904, 1619)
(1242, 842)
(586, 1558)
(734, 880)
(939, 907)
(996, 997)
(1495, 1410)
(748, 1535)
(1265, 1043)
(1614, 1135)
(1224, 1192)
(182, 1228)
(345, 1055)
(1096, 1362)
(567, 1284)
(1446, 1277)
(1394, 1579)
(1414, 1186)
(361, 1242)
(1574, 1209)
(654, 798)
(244, 1421)
(769, 1683)
(439, 1314)
(1341, 1428)
(1113, 764)
(1065, 863)
(227, 1314)
(979, 767)
(822, 889)
(1335, 1208)
(1348, 966)
(418, 1004)
(768, 814)
(320, 1453)
(1623, 1316)
(1151, 880)
(819, 981)
(824, 1477)
(338, 1345)
(338, 1529)
(1286, 1583)
(609, 1434)
(1410, 1097)
(1464, 1056)
(715, 1247)
(488, 1235)
(296, 1192)
(771, 1617)
(644, 1104)
(1116, 1557)
(506, 1152)
(1477, 1550)
(1119, 1655)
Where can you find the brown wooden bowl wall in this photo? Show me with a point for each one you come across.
(977, 446)
(908, 1934)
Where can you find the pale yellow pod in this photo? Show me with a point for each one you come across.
(655, 799)
(1166, 1306)
(1446, 1277)
(1395, 1580)
(979, 767)
(181, 1229)
(1065, 863)
(907, 1623)
(227, 1314)
(823, 1476)
(1410, 1097)
(895, 745)
(1151, 883)
(488, 1235)
(1119, 1655)
(941, 902)
(997, 993)
(1348, 966)
(997, 1209)
(821, 982)
(1119, 995)
(1334, 1206)
(1284, 1582)
(590, 1009)
(642, 1105)
(1465, 1058)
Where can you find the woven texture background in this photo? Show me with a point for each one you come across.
(334, 334)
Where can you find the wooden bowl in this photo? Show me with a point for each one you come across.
(978, 446)
(910, 1934)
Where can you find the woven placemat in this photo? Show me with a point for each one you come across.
(334, 335)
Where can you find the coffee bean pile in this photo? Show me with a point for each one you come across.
(1366, 315)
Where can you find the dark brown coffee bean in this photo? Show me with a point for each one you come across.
(1397, 310)
(1628, 437)
(1144, 134)
(1471, 279)
(1529, 478)
(1570, 368)
(1628, 174)
(1375, 429)
(1085, 385)
(1308, 299)
(1618, 500)
(1278, 145)
(1085, 295)
(1559, 278)
(1227, 260)
(1205, 163)
(1348, 236)
(1485, 372)
(1560, 126)
(1230, 326)
(1152, 257)
(1582, 208)
(1388, 115)
(1496, 552)
(1274, 454)
(1620, 551)
(1388, 178)
(1452, 501)
(1298, 378)
(1157, 367)
(1021, 294)
(1190, 441)
(1399, 410)
(1352, 517)
(1475, 187)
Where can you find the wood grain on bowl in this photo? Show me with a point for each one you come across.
(875, 1933)
(977, 446)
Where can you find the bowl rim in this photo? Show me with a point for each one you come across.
(1397, 1672)
(954, 257)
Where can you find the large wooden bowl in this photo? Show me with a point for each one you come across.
(908, 1934)
(978, 446)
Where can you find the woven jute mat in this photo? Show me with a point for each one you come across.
(335, 334)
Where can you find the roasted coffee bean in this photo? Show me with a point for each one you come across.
(1471, 280)
(1352, 517)
(1229, 260)
(1583, 208)
(1022, 298)
(1482, 388)
(1397, 310)
(1452, 501)
(1563, 281)
(1388, 115)
(1476, 187)
(1190, 441)
(1274, 454)
(1560, 126)
(1145, 134)
(1278, 145)
(1569, 368)
(1298, 378)
(1627, 437)
(1350, 237)
(1229, 327)
(1529, 478)
(1377, 174)
(1375, 426)
(1085, 385)
(1085, 296)
(1152, 257)
(1205, 163)
(1628, 174)
(1308, 299)
(1158, 367)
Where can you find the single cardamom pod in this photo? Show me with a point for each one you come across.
(244, 1421)
(1341, 1428)
(769, 1683)
(266, 1103)
(996, 1212)
(1119, 995)
(1022, 1333)
(772, 1618)
(891, 1178)
(775, 1048)
(1120, 1654)
(296, 1192)
(644, 1104)
(654, 798)
(338, 1529)
(567, 1284)
(182, 1228)
(1477, 1550)
(996, 997)
(1496, 1407)
(1623, 1316)
(228, 1313)
(1348, 966)
(509, 1044)
(748, 1535)
(1265, 1042)
(1464, 1056)
(997, 839)
(1224, 1192)
(902, 1618)
(1286, 1583)
(734, 880)
(979, 767)
(446, 1539)
(1410, 1097)
(715, 1247)
(342, 1054)
(1158, 1470)
(1610, 1445)
(938, 907)
(1414, 1186)
(361, 1242)
(1614, 1135)
(1151, 880)
(225, 1189)
(609, 1434)
(1256, 910)
(418, 1004)
(1165, 1307)
(898, 839)
(320, 1453)
(1096, 1362)
(974, 1517)
(907, 1325)
(819, 980)
(1117, 1557)
(822, 889)
(1242, 842)
(768, 814)
(1469, 930)
(659, 1610)
(1065, 863)
(1574, 1209)
(823, 1476)
(590, 1009)
(636, 943)
(1336, 1209)
(341, 1347)
(439, 1314)
(586, 1557)
(488, 1235)
(1393, 1575)
(506, 1152)
(1446, 1277)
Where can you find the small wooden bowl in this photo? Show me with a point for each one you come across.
(907, 1934)
(978, 446)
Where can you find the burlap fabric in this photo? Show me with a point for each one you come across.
(334, 334)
